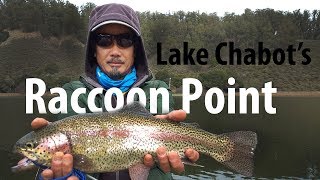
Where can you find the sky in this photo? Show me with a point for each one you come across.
(209, 6)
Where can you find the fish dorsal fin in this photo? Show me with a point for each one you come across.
(135, 108)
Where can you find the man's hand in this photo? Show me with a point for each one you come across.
(171, 160)
(61, 164)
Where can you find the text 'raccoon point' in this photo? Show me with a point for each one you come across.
(58, 104)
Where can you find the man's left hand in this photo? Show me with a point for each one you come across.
(171, 161)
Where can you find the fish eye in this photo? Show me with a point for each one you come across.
(29, 145)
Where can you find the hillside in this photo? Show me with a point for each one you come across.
(56, 61)
(59, 60)
(285, 77)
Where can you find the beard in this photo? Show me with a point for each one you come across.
(115, 74)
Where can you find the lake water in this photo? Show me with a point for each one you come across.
(288, 145)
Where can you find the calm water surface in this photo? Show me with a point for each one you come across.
(288, 145)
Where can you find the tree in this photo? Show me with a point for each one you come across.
(85, 11)
(2, 16)
(54, 17)
(71, 21)
(315, 24)
(33, 15)
(14, 12)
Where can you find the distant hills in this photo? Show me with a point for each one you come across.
(59, 60)
(23, 55)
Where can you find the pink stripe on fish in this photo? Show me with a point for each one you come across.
(169, 136)
(57, 142)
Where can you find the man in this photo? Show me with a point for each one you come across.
(115, 57)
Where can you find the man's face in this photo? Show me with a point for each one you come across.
(114, 60)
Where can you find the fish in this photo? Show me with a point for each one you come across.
(113, 141)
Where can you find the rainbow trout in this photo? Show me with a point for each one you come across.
(108, 142)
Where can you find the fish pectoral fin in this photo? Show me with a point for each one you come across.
(188, 162)
(82, 162)
(139, 172)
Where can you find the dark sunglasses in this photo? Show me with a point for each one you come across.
(123, 40)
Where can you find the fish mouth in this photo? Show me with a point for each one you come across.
(26, 153)
(22, 165)
(27, 161)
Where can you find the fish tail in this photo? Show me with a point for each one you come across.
(237, 151)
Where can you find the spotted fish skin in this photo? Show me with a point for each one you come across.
(108, 142)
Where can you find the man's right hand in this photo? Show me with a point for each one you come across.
(61, 164)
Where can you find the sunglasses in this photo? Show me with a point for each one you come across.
(123, 40)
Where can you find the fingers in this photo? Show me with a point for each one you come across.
(192, 155)
(172, 160)
(39, 123)
(73, 178)
(163, 159)
(56, 165)
(175, 162)
(61, 165)
(176, 115)
(148, 160)
(67, 164)
(47, 174)
(162, 116)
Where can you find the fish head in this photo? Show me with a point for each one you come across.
(40, 148)
(28, 146)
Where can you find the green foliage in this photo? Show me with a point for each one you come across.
(50, 17)
(53, 81)
(41, 59)
(51, 68)
(162, 75)
(4, 35)
(67, 44)
(71, 19)
(176, 79)
(7, 84)
(58, 18)
(44, 30)
(214, 78)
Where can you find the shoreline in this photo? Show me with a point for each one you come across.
(278, 94)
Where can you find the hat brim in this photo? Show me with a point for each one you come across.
(114, 22)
